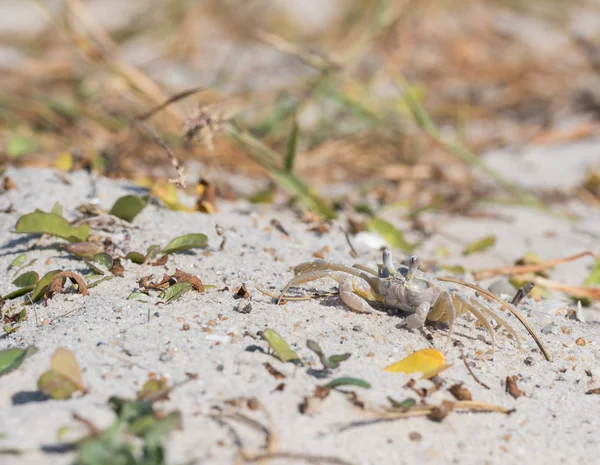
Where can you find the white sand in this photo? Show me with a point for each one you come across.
(116, 345)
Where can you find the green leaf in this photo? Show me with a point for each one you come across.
(347, 382)
(480, 245)
(291, 148)
(136, 295)
(103, 259)
(10, 328)
(176, 291)
(101, 280)
(64, 376)
(56, 385)
(28, 279)
(280, 346)
(187, 242)
(17, 262)
(335, 360)
(18, 145)
(305, 194)
(42, 285)
(57, 209)
(86, 250)
(136, 257)
(152, 251)
(594, 277)
(163, 427)
(19, 292)
(40, 222)
(11, 359)
(128, 207)
(264, 196)
(404, 405)
(389, 232)
(328, 362)
(151, 387)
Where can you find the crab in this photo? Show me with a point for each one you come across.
(425, 297)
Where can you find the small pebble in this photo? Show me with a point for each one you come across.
(414, 436)
(580, 341)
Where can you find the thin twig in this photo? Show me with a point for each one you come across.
(464, 359)
(353, 251)
(297, 456)
(180, 181)
(522, 269)
(316, 295)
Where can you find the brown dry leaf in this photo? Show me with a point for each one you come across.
(311, 404)
(161, 261)
(273, 371)
(144, 282)
(242, 293)
(117, 267)
(356, 226)
(593, 391)
(512, 388)
(207, 197)
(8, 184)
(321, 228)
(277, 225)
(321, 252)
(354, 399)
(183, 277)
(460, 392)
(57, 283)
(163, 284)
(439, 412)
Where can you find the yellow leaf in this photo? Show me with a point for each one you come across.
(64, 162)
(168, 194)
(63, 362)
(421, 361)
(436, 371)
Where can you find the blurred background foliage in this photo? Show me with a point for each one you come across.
(399, 98)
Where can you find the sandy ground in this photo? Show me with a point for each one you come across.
(118, 341)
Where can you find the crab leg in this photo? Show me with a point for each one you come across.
(451, 309)
(468, 307)
(353, 301)
(319, 265)
(487, 310)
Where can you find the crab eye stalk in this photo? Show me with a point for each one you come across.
(413, 265)
(387, 260)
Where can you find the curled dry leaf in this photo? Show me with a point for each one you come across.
(57, 283)
(161, 261)
(183, 277)
(242, 293)
(117, 268)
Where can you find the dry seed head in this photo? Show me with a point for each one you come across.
(206, 122)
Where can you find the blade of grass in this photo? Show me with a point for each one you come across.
(292, 148)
